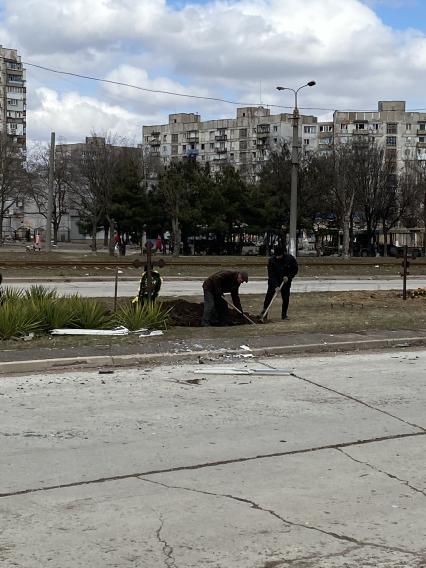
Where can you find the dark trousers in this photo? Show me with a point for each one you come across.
(215, 309)
(285, 295)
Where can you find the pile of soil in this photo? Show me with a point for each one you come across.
(189, 314)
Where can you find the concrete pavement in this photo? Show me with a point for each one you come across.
(143, 468)
(193, 287)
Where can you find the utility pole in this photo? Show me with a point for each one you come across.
(295, 150)
(49, 212)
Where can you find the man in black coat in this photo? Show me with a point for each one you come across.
(215, 307)
(282, 268)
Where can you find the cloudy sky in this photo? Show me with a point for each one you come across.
(358, 52)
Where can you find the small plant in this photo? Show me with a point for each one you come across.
(18, 319)
(89, 313)
(150, 315)
(54, 312)
(38, 292)
(12, 295)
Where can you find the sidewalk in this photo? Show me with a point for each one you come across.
(163, 350)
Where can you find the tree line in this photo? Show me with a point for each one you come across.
(113, 186)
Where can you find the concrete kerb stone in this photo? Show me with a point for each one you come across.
(134, 360)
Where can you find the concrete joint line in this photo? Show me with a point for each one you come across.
(212, 464)
(358, 401)
(382, 471)
(257, 507)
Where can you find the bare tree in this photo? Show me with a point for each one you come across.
(97, 166)
(63, 183)
(12, 176)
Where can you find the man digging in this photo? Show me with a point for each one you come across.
(282, 268)
(215, 306)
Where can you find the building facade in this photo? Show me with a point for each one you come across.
(13, 95)
(402, 133)
(244, 141)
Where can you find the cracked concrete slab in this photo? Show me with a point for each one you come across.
(251, 472)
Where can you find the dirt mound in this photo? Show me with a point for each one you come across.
(189, 314)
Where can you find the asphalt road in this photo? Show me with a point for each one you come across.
(143, 468)
(192, 287)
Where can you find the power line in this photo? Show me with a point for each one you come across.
(159, 91)
(199, 97)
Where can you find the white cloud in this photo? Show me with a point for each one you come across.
(72, 117)
(223, 48)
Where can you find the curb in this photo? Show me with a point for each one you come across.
(134, 360)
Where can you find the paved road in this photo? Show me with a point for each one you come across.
(193, 287)
(142, 468)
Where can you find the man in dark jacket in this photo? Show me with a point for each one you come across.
(282, 268)
(215, 307)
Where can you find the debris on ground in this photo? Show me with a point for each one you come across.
(240, 371)
(71, 331)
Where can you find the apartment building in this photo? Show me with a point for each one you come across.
(12, 95)
(402, 133)
(244, 141)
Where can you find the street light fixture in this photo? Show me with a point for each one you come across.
(294, 167)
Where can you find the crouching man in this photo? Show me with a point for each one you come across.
(215, 306)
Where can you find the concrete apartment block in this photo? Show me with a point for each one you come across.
(12, 95)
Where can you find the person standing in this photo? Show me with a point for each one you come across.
(215, 306)
(282, 268)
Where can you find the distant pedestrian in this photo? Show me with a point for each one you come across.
(282, 268)
(37, 243)
(215, 307)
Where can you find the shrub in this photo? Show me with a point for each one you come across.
(54, 312)
(89, 313)
(18, 319)
(38, 292)
(150, 315)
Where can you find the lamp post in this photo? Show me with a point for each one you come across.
(294, 167)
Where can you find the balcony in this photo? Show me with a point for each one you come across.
(192, 153)
(193, 140)
(421, 144)
(155, 142)
(155, 154)
(263, 129)
(221, 137)
(221, 150)
(421, 132)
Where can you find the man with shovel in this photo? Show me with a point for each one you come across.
(282, 268)
(215, 306)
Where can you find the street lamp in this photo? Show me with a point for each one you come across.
(294, 167)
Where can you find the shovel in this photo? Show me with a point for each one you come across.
(265, 313)
(239, 311)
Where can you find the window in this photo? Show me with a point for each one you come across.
(408, 126)
(202, 146)
(376, 126)
(391, 128)
(243, 144)
(343, 126)
(359, 126)
(310, 129)
(164, 137)
(422, 125)
(244, 113)
(326, 128)
(306, 141)
(12, 102)
(174, 149)
(174, 138)
(211, 145)
(275, 140)
(275, 128)
(391, 140)
(422, 139)
(184, 147)
(243, 133)
(146, 138)
(164, 148)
